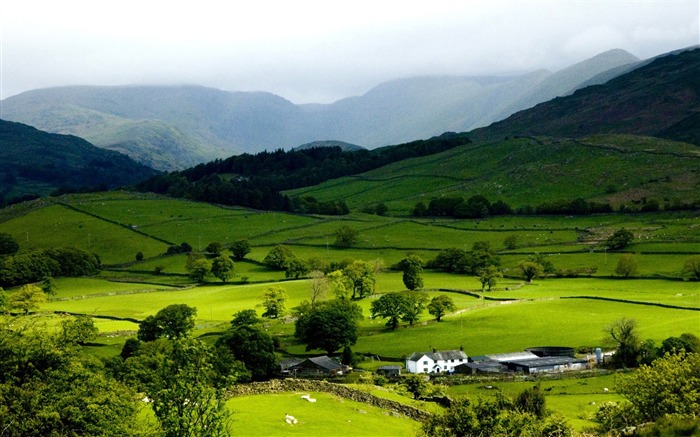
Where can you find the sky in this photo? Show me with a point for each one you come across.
(319, 51)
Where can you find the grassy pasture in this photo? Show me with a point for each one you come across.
(58, 226)
(265, 415)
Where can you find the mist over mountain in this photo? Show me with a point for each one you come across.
(174, 127)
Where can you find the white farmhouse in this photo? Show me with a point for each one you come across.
(435, 362)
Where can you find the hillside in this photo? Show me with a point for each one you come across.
(661, 99)
(614, 169)
(33, 162)
(176, 127)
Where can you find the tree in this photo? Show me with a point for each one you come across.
(420, 210)
(340, 284)
(255, 348)
(412, 266)
(620, 239)
(329, 326)
(670, 386)
(441, 305)
(172, 322)
(223, 268)
(345, 236)
(278, 257)
(8, 245)
(363, 277)
(244, 318)
(239, 249)
(49, 286)
(391, 306)
(274, 300)
(295, 268)
(78, 330)
(622, 333)
(139, 256)
(510, 242)
(627, 265)
(319, 287)
(451, 260)
(415, 304)
(215, 248)
(197, 266)
(692, 267)
(27, 298)
(530, 270)
(178, 377)
(489, 276)
(531, 400)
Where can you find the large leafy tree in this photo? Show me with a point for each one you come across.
(8, 245)
(623, 334)
(412, 266)
(441, 305)
(78, 330)
(197, 266)
(391, 306)
(27, 298)
(530, 270)
(239, 249)
(223, 268)
(489, 276)
(362, 274)
(620, 239)
(173, 321)
(179, 379)
(278, 257)
(254, 347)
(627, 265)
(274, 301)
(415, 304)
(330, 325)
(692, 267)
(345, 236)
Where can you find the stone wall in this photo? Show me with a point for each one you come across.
(307, 385)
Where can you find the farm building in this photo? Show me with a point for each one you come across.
(483, 366)
(435, 362)
(389, 370)
(316, 366)
(547, 364)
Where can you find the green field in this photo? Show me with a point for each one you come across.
(553, 311)
(265, 415)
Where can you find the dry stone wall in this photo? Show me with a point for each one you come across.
(307, 385)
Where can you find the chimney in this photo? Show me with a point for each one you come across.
(434, 350)
(461, 348)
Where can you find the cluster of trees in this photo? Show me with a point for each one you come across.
(525, 414)
(214, 260)
(23, 268)
(260, 178)
(661, 398)
(310, 205)
(476, 206)
(631, 351)
(455, 260)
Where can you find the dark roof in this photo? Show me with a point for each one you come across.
(290, 362)
(547, 361)
(439, 355)
(326, 362)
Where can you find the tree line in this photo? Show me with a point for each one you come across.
(256, 181)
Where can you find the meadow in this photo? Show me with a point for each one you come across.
(552, 311)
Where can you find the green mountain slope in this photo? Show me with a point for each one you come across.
(37, 162)
(530, 171)
(661, 99)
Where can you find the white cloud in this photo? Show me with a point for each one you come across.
(307, 50)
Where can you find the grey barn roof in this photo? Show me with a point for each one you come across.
(439, 355)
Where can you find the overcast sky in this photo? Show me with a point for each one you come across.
(319, 51)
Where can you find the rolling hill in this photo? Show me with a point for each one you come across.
(33, 162)
(661, 99)
(176, 127)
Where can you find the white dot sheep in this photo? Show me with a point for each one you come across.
(290, 419)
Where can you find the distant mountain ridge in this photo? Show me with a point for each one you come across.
(176, 127)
